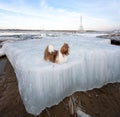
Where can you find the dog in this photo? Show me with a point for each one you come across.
(56, 56)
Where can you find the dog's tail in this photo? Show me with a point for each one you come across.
(50, 48)
(48, 51)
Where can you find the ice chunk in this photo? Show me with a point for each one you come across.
(81, 113)
(74, 108)
(42, 84)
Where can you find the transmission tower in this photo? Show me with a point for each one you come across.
(81, 25)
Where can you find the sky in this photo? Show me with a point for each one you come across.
(60, 14)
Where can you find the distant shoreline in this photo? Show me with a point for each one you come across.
(49, 30)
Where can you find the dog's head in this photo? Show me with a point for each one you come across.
(65, 49)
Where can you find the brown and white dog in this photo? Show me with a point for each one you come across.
(56, 56)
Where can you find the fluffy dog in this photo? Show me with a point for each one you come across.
(56, 56)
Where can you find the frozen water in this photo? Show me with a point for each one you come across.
(92, 63)
(80, 113)
(11, 36)
(75, 108)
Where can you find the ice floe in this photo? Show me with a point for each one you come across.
(92, 63)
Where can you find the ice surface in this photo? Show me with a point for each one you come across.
(91, 63)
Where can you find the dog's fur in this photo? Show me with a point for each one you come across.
(55, 56)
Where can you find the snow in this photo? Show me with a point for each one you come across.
(92, 63)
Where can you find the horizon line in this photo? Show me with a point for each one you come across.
(13, 29)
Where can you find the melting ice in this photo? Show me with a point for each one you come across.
(92, 63)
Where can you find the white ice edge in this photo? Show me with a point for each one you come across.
(92, 63)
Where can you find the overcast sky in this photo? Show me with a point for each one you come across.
(60, 14)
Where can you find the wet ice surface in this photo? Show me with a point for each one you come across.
(92, 63)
